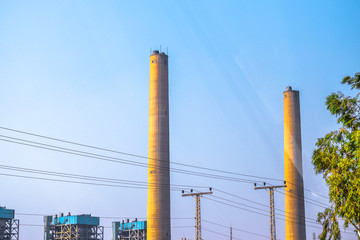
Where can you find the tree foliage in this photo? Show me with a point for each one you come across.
(337, 158)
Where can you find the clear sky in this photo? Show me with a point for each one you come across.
(78, 70)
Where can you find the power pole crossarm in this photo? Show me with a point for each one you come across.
(195, 194)
(270, 187)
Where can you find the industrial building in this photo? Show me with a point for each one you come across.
(9, 227)
(77, 227)
(125, 230)
(158, 198)
(294, 194)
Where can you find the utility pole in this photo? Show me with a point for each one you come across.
(231, 233)
(271, 189)
(198, 213)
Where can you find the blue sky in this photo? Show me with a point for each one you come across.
(78, 70)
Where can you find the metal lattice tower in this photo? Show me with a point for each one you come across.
(271, 189)
(198, 211)
(78, 232)
(9, 229)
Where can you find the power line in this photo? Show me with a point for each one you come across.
(129, 184)
(263, 214)
(262, 210)
(309, 190)
(126, 186)
(77, 182)
(135, 155)
(107, 217)
(315, 201)
(257, 203)
(306, 199)
(102, 157)
(245, 199)
(86, 177)
(250, 210)
(307, 225)
(221, 234)
(237, 229)
(38, 225)
(111, 185)
(176, 218)
(143, 186)
(126, 161)
(123, 186)
(139, 156)
(119, 160)
(136, 187)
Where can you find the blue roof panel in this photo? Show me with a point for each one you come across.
(7, 213)
(133, 225)
(85, 219)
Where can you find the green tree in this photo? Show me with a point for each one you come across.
(337, 158)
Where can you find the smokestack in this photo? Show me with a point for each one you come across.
(294, 193)
(158, 201)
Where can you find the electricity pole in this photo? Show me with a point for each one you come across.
(271, 189)
(198, 213)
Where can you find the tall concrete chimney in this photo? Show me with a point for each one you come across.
(294, 193)
(158, 201)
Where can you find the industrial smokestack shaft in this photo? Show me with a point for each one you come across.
(158, 202)
(294, 193)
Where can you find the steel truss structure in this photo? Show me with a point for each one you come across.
(131, 234)
(75, 232)
(9, 229)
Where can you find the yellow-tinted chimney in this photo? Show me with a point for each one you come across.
(158, 199)
(294, 193)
